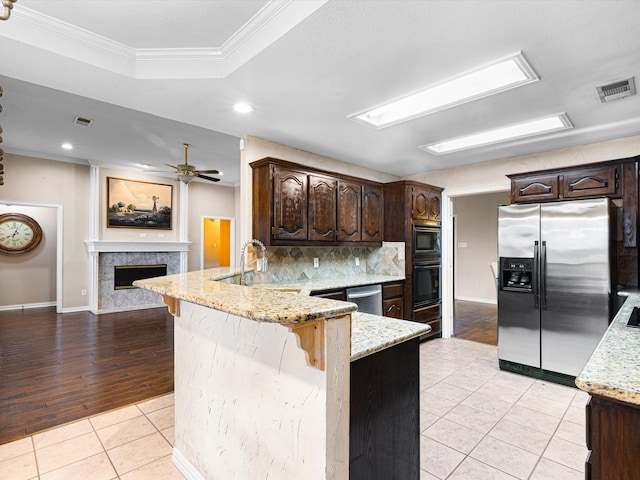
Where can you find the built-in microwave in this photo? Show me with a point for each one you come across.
(426, 241)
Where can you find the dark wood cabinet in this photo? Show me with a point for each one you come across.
(372, 213)
(289, 205)
(298, 205)
(613, 435)
(409, 203)
(535, 188)
(561, 184)
(349, 211)
(322, 208)
(393, 300)
(591, 182)
(384, 414)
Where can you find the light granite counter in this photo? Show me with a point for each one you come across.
(268, 365)
(613, 371)
(275, 303)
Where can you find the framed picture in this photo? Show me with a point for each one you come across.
(137, 204)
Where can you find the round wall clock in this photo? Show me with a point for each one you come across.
(18, 233)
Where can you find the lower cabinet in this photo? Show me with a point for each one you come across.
(613, 436)
(432, 316)
(393, 300)
(384, 436)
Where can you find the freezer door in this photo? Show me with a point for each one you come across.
(518, 317)
(575, 284)
(518, 230)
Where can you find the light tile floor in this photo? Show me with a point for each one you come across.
(478, 423)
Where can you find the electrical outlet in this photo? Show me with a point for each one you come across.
(357, 261)
(83, 293)
(143, 235)
(316, 262)
(462, 244)
(161, 235)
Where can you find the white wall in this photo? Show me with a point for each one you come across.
(476, 245)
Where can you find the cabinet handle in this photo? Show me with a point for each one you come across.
(392, 307)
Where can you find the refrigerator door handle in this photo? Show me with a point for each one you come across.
(543, 275)
(534, 277)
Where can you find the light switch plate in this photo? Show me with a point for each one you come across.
(316, 262)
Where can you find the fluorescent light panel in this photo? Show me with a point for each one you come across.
(549, 124)
(502, 75)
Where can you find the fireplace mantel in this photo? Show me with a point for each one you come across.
(100, 246)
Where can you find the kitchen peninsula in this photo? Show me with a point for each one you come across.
(612, 378)
(274, 384)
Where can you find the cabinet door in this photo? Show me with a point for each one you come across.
(590, 182)
(336, 294)
(289, 204)
(349, 211)
(322, 208)
(420, 203)
(434, 206)
(534, 189)
(372, 213)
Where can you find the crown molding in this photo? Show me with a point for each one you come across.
(272, 22)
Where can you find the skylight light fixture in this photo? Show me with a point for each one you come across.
(530, 128)
(497, 77)
(67, 146)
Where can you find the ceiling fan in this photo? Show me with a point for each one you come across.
(187, 172)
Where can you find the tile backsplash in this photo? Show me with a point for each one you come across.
(288, 264)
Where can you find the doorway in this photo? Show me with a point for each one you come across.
(475, 247)
(217, 242)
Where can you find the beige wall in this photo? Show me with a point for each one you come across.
(37, 181)
(17, 272)
(490, 176)
(476, 245)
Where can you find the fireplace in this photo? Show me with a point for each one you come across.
(125, 275)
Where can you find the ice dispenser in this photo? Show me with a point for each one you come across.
(516, 274)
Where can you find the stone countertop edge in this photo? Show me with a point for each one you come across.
(613, 371)
(263, 302)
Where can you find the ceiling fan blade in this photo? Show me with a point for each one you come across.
(209, 178)
(215, 172)
(172, 166)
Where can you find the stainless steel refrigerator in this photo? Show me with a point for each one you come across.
(554, 285)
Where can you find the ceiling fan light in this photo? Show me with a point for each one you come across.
(184, 178)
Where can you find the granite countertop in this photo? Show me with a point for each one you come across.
(276, 303)
(613, 370)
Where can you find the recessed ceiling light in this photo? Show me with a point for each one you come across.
(499, 76)
(243, 108)
(144, 165)
(553, 123)
(67, 146)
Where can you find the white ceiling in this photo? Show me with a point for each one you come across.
(154, 74)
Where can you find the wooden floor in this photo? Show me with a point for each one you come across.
(476, 321)
(56, 368)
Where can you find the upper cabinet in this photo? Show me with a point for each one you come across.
(592, 181)
(298, 205)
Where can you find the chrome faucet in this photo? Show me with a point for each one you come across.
(263, 250)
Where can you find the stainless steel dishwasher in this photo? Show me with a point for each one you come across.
(368, 298)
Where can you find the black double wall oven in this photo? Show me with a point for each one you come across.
(426, 265)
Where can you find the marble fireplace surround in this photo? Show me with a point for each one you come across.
(104, 255)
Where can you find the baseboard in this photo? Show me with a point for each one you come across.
(185, 467)
(478, 300)
(82, 308)
(100, 311)
(27, 306)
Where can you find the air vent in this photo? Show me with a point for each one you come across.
(616, 90)
(85, 122)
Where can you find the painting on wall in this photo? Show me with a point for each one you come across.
(137, 204)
